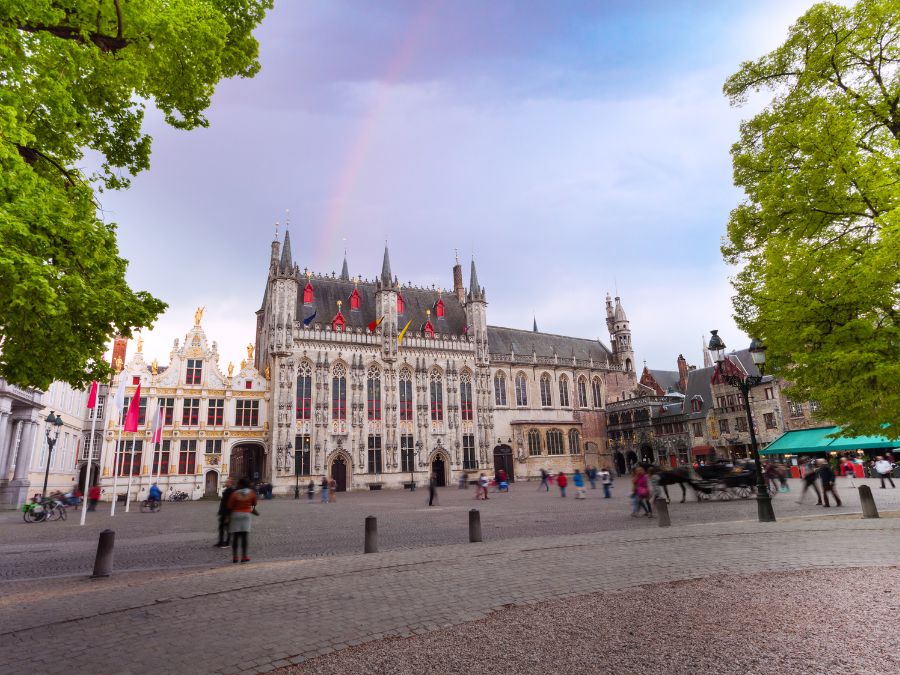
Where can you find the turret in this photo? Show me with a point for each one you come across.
(476, 316)
(386, 292)
(619, 334)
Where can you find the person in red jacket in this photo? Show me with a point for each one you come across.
(562, 481)
(93, 497)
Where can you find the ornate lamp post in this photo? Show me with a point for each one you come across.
(54, 422)
(744, 384)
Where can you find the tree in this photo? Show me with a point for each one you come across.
(816, 238)
(76, 77)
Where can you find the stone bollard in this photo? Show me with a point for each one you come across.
(103, 561)
(662, 511)
(868, 502)
(474, 525)
(371, 534)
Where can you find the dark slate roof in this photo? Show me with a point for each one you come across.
(524, 342)
(666, 379)
(328, 290)
(698, 384)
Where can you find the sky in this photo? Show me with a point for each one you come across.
(573, 148)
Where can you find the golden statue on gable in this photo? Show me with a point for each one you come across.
(140, 343)
(119, 364)
(230, 368)
(268, 373)
(198, 315)
(249, 351)
(154, 367)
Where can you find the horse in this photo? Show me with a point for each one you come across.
(677, 476)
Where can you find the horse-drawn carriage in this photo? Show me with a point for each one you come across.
(722, 481)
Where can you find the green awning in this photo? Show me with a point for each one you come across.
(817, 440)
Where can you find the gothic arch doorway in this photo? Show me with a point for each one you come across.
(212, 484)
(439, 469)
(340, 472)
(93, 479)
(630, 460)
(647, 454)
(619, 459)
(248, 461)
(503, 459)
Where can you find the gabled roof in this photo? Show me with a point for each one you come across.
(698, 384)
(666, 379)
(502, 341)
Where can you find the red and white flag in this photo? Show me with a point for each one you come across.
(134, 410)
(156, 431)
(92, 397)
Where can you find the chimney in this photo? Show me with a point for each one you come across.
(120, 345)
(683, 371)
(458, 289)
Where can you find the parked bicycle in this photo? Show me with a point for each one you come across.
(41, 510)
(177, 496)
(151, 505)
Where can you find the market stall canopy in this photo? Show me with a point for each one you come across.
(819, 440)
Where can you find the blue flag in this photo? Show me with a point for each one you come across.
(308, 320)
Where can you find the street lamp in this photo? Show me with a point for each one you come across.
(54, 422)
(744, 384)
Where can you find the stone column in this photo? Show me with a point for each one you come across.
(9, 449)
(4, 440)
(20, 484)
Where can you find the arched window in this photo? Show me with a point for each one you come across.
(439, 308)
(554, 442)
(308, 296)
(521, 390)
(406, 411)
(574, 442)
(401, 304)
(304, 391)
(546, 398)
(437, 396)
(564, 391)
(339, 393)
(373, 393)
(595, 390)
(354, 300)
(465, 396)
(534, 442)
(582, 393)
(500, 388)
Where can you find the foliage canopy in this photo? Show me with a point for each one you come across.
(817, 238)
(76, 76)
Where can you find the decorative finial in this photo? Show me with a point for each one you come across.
(154, 367)
(140, 343)
(340, 302)
(198, 316)
(287, 219)
(456, 255)
(276, 230)
(428, 312)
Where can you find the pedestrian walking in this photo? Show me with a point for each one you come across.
(241, 506)
(826, 475)
(641, 493)
(810, 475)
(93, 497)
(432, 489)
(324, 486)
(578, 481)
(332, 490)
(606, 481)
(883, 468)
(462, 481)
(562, 482)
(592, 476)
(544, 484)
(310, 490)
(224, 514)
(482, 492)
(846, 469)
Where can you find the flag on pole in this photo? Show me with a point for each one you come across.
(308, 320)
(372, 326)
(403, 332)
(156, 431)
(119, 398)
(466, 330)
(131, 418)
(92, 397)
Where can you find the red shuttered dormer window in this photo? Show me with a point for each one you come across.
(428, 329)
(401, 305)
(338, 322)
(354, 300)
(439, 308)
(308, 295)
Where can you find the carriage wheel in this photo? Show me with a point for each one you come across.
(724, 494)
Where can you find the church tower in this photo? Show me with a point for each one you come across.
(387, 307)
(619, 334)
(476, 317)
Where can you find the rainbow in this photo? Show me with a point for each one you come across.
(358, 150)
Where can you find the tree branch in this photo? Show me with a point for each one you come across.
(106, 43)
(31, 156)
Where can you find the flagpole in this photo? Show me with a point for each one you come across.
(87, 467)
(112, 511)
(131, 474)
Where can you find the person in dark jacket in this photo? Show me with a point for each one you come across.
(810, 476)
(432, 489)
(826, 475)
(224, 514)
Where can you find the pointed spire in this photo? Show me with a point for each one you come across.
(286, 261)
(345, 273)
(476, 292)
(535, 325)
(707, 359)
(386, 275)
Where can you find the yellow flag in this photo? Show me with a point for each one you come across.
(403, 332)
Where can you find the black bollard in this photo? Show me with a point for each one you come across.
(474, 525)
(662, 511)
(371, 534)
(103, 561)
(868, 502)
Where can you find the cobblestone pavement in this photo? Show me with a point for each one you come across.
(265, 615)
(183, 533)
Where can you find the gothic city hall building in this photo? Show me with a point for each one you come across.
(377, 384)
(370, 382)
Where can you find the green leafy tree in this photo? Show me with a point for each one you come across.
(76, 76)
(816, 239)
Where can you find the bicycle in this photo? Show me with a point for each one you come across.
(43, 510)
(178, 496)
(151, 505)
